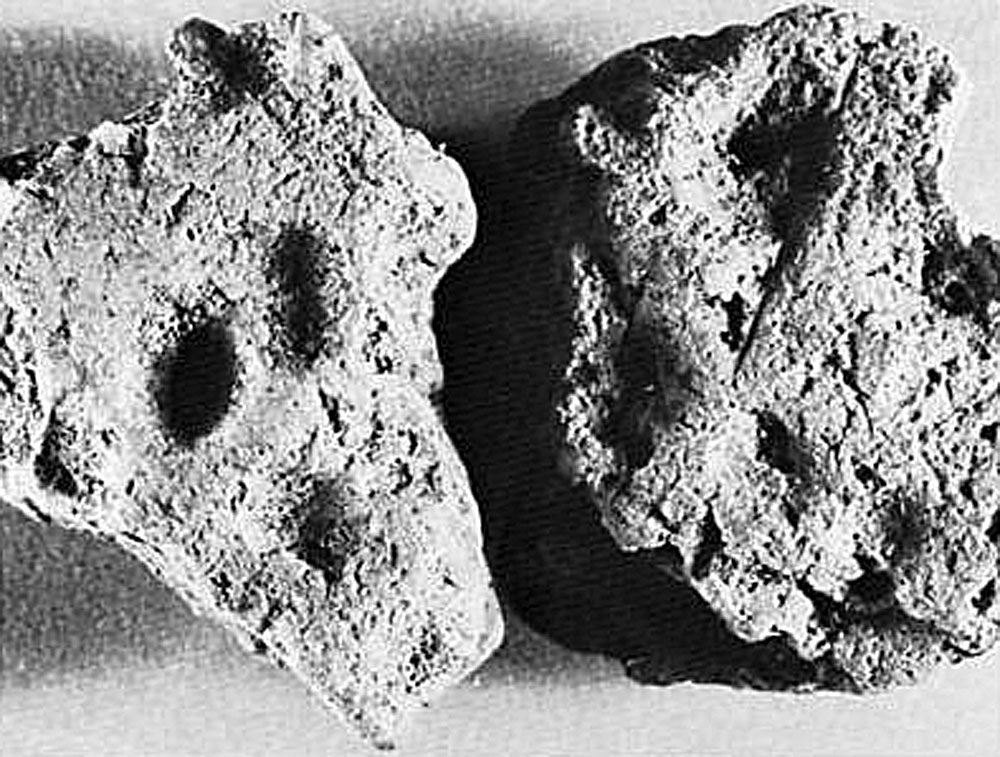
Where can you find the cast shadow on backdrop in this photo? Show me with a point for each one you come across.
(72, 602)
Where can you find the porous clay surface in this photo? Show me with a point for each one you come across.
(216, 350)
(782, 371)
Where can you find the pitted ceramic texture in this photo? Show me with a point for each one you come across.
(216, 350)
(782, 377)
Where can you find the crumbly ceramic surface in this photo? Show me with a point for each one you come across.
(782, 372)
(216, 350)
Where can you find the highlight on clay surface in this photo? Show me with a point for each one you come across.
(218, 329)
(780, 342)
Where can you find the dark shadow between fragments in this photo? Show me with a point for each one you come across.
(500, 328)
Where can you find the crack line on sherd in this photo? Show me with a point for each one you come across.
(774, 278)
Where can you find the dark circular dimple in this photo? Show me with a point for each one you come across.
(959, 298)
(196, 380)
